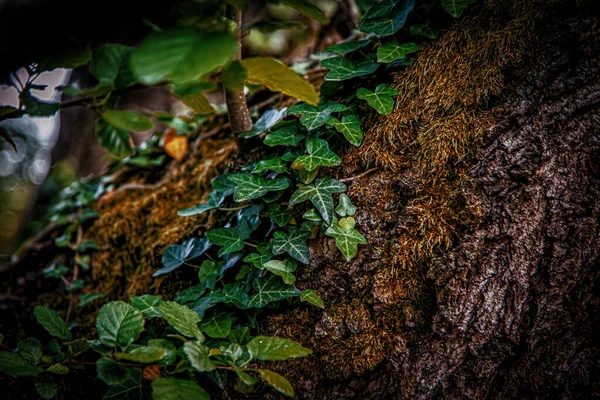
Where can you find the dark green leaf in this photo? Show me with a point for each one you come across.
(423, 30)
(52, 322)
(283, 137)
(87, 298)
(382, 99)
(389, 23)
(176, 255)
(292, 242)
(349, 126)
(314, 117)
(391, 50)
(130, 389)
(310, 296)
(128, 120)
(216, 325)
(456, 7)
(320, 195)
(111, 372)
(170, 351)
(273, 25)
(308, 9)
(215, 199)
(234, 76)
(250, 186)
(240, 336)
(14, 365)
(119, 324)
(115, 141)
(110, 65)
(31, 350)
(347, 47)
(270, 288)
(281, 218)
(231, 239)
(177, 389)
(45, 389)
(36, 107)
(276, 164)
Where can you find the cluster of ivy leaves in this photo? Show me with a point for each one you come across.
(207, 332)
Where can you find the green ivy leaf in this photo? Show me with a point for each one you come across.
(111, 372)
(391, 50)
(314, 117)
(266, 121)
(308, 9)
(175, 256)
(386, 21)
(340, 68)
(285, 136)
(14, 365)
(36, 107)
(182, 318)
(177, 389)
(320, 195)
(250, 186)
(318, 155)
(208, 274)
(265, 252)
(232, 293)
(142, 354)
(276, 164)
(382, 99)
(281, 218)
(216, 325)
(119, 324)
(215, 199)
(270, 288)
(345, 207)
(292, 242)
(346, 237)
(52, 322)
(457, 7)
(183, 54)
(128, 120)
(113, 140)
(347, 47)
(31, 350)
(311, 296)
(349, 126)
(45, 389)
(312, 215)
(240, 336)
(423, 30)
(277, 382)
(282, 268)
(231, 239)
(270, 348)
(147, 304)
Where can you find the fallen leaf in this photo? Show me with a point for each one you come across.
(175, 145)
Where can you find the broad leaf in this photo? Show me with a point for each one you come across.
(283, 268)
(265, 252)
(128, 120)
(216, 325)
(270, 288)
(345, 207)
(250, 186)
(111, 372)
(281, 218)
(277, 382)
(423, 30)
(276, 164)
(456, 7)
(382, 99)
(234, 76)
(110, 65)
(31, 350)
(208, 274)
(169, 350)
(71, 59)
(119, 324)
(385, 22)
(314, 117)
(240, 336)
(176, 255)
(198, 103)
(347, 47)
(130, 389)
(349, 126)
(311, 296)
(36, 107)
(267, 348)
(320, 195)
(183, 55)
(14, 365)
(113, 140)
(318, 155)
(307, 8)
(142, 354)
(346, 237)
(292, 242)
(147, 304)
(279, 78)
(52, 322)
(284, 137)
(231, 239)
(267, 120)
(182, 318)
(197, 356)
(46, 390)
(391, 50)
(177, 389)
(58, 369)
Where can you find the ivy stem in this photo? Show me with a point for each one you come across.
(191, 265)
(237, 109)
(250, 244)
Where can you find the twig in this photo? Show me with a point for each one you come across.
(351, 178)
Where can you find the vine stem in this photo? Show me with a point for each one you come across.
(250, 244)
(351, 178)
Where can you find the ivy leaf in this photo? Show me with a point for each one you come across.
(319, 155)
(113, 140)
(182, 54)
(340, 68)
(267, 120)
(292, 242)
(131, 388)
(182, 318)
(147, 304)
(346, 237)
(349, 126)
(215, 199)
(347, 47)
(308, 9)
(391, 50)
(128, 120)
(277, 382)
(381, 9)
(216, 325)
(111, 372)
(345, 207)
(234, 76)
(312, 215)
(52, 322)
(14, 365)
(271, 348)
(314, 117)
(388, 23)
(270, 288)
(208, 274)
(197, 355)
(31, 350)
(284, 137)
(311, 296)
(177, 389)
(232, 293)
(320, 195)
(231, 239)
(46, 390)
(456, 7)
(36, 107)
(279, 78)
(240, 336)
(119, 324)
(423, 30)
(265, 251)
(281, 218)
(249, 186)
(382, 99)
(305, 175)
(276, 164)
(282, 268)
(176, 255)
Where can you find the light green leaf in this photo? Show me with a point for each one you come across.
(216, 325)
(119, 324)
(456, 7)
(277, 382)
(245, 377)
(279, 77)
(45, 389)
(147, 304)
(128, 120)
(183, 54)
(177, 389)
(182, 318)
(281, 218)
(283, 269)
(308, 9)
(391, 50)
(283, 137)
(14, 365)
(312, 215)
(31, 350)
(250, 186)
(142, 354)
(382, 99)
(346, 237)
(320, 195)
(349, 126)
(197, 356)
(311, 296)
(292, 242)
(318, 155)
(52, 322)
(345, 207)
(423, 30)
(234, 76)
(269, 348)
(305, 175)
(314, 117)
(270, 288)
(111, 372)
(232, 239)
(276, 164)
(169, 351)
(347, 47)
(58, 369)
(113, 140)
